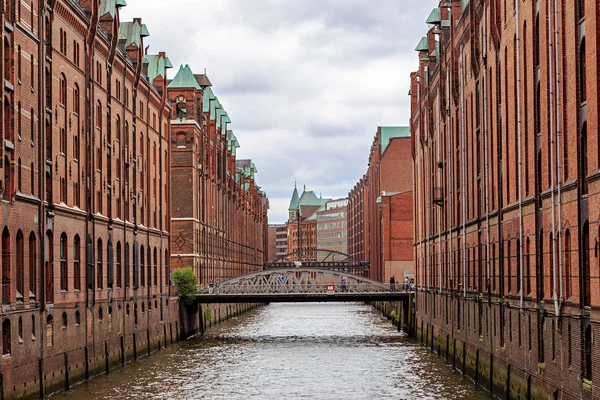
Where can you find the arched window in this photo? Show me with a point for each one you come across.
(49, 331)
(509, 267)
(77, 318)
(551, 263)
(19, 121)
(20, 327)
(76, 263)
(142, 267)
(149, 267)
(99, 272)
(32, 266)
(587, 297)
(19, 62)
(119, 272)
(8, 179)
(135, 314)
(6, 343)
(99, 115)
(32, 127)
(32, 326)
(110, 273)
(63, 90)
(587, 353)
(19, 176)
(64, 319)
(127, 272)
(100, 316)
(6, 268)
(76, 108)
(167, 276)
(528, 266)
(582, 72)
(20, 266)
(64, 285)
(584, 159)
(568, 284)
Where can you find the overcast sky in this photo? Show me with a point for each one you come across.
(305, 82)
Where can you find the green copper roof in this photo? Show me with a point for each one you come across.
(224, 121)
(108, 8)
(464, 4)
(434, 17)
(295, 201)
(390, 132)
(144, 31)
(423, 45)
(131, 33)
(214, 106)
(121, 3)
(157, 66)
(206, 99)
(184, 79)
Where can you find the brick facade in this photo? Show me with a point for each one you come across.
(219, 215)
(506, 193)
(379, 213)
(85, 217)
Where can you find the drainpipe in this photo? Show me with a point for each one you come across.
(463, 172)
(520, 163)
(558, 160)
(486, 160)
(440, 187)
(551, 86)
(449, 171)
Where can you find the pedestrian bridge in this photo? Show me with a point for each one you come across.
(295, 284)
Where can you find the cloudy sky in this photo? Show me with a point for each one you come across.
(305, 82)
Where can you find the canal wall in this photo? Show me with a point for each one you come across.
(82, 344)
(197, 318)
(466, 333)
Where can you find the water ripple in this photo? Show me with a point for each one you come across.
(289, 351)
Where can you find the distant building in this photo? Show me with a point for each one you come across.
(302, 222)
(332, 228)
(381, 210)
(277, 246)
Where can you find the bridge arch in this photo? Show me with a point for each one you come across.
(319, 258)
(297, 280)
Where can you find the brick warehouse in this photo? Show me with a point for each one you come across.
(223, 231)
(507, 194)
(86, 196)
(380, 221)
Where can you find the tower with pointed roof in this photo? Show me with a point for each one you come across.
(294, 207)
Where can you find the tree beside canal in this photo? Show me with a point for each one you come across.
(186, 282)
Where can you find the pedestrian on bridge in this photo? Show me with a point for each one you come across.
(343, 284)
(393, 284)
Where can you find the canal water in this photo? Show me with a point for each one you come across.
(289, 351)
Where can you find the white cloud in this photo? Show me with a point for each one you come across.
(306, 82)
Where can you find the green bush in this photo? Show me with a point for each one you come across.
(186, 282)
(208, 313)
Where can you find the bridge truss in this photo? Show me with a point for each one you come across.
(300, 281)
(319, 258)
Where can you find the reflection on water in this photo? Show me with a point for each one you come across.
(289, 351)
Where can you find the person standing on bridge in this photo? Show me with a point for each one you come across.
(393, 284)
(211, 286)
(343, 283)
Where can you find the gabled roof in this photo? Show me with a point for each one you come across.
(423, 45)
(184, 79)
(295, 201)
(207, 98)
(131, 33)
(202, 80)
(157, 65)
(434, 17)
(388, 133)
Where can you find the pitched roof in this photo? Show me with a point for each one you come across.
(184, 79)
(157, 65)
(202, 80)
(295, 201)
(390, 132)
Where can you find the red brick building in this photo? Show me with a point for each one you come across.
(302, 223)
(506, 193)
(378, 231)
(85, 254)
(219, 214)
